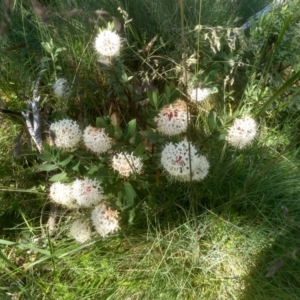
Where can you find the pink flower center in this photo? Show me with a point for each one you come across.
(179, 161)
(87, 190)
(172, 114)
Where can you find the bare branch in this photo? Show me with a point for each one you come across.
(264, 11)
(34, 124)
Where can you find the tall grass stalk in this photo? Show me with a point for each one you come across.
(233, 235)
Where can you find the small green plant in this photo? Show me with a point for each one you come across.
(160, 147)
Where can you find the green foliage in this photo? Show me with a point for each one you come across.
(234, 235)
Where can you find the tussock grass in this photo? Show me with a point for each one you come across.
(232, 236)
(212, 256)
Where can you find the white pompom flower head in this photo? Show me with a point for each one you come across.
(80, 231)
(108, 43)
(127, 164)
(65, 134)
(173, 118)
(242, 133)
(96, 140)
(182, 162)
(199, 94)
(87, 192)
(61, 88)
(61, 193)
(105, 220)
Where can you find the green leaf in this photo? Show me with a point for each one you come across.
(47, 47)
(110, 129)
(76, 167)
(117, 133)
(213, 90)
(138, 138)
(153, 98)
(47, 167)
(130, 129)
(49, 154)
(100, 122)
(222, 136)
(66, 161)
(139, 150)
(129, 191)
(119, 200)
(168, 90)
(92, 170)
(131, 215)
(45, 156)
(124, 77)
(59, 177)
(130, 194)
(59, 50)
(212, 120)
(45, 59)
(102, 173)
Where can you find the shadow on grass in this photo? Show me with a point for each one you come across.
(276, 270)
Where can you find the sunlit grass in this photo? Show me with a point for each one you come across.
(211, 256)
(232, 236)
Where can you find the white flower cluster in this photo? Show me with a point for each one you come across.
(96, 140)
(108, 43)
(62, 194)
(177, 159)
(127, 164)
(87, 192)
(65, 133)
(173, 118)
(81, 193)
(242, 132)
(80, 231)
(198, 94)
(105, 220)
(61, 88)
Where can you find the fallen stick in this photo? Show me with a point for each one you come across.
(264, 11)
